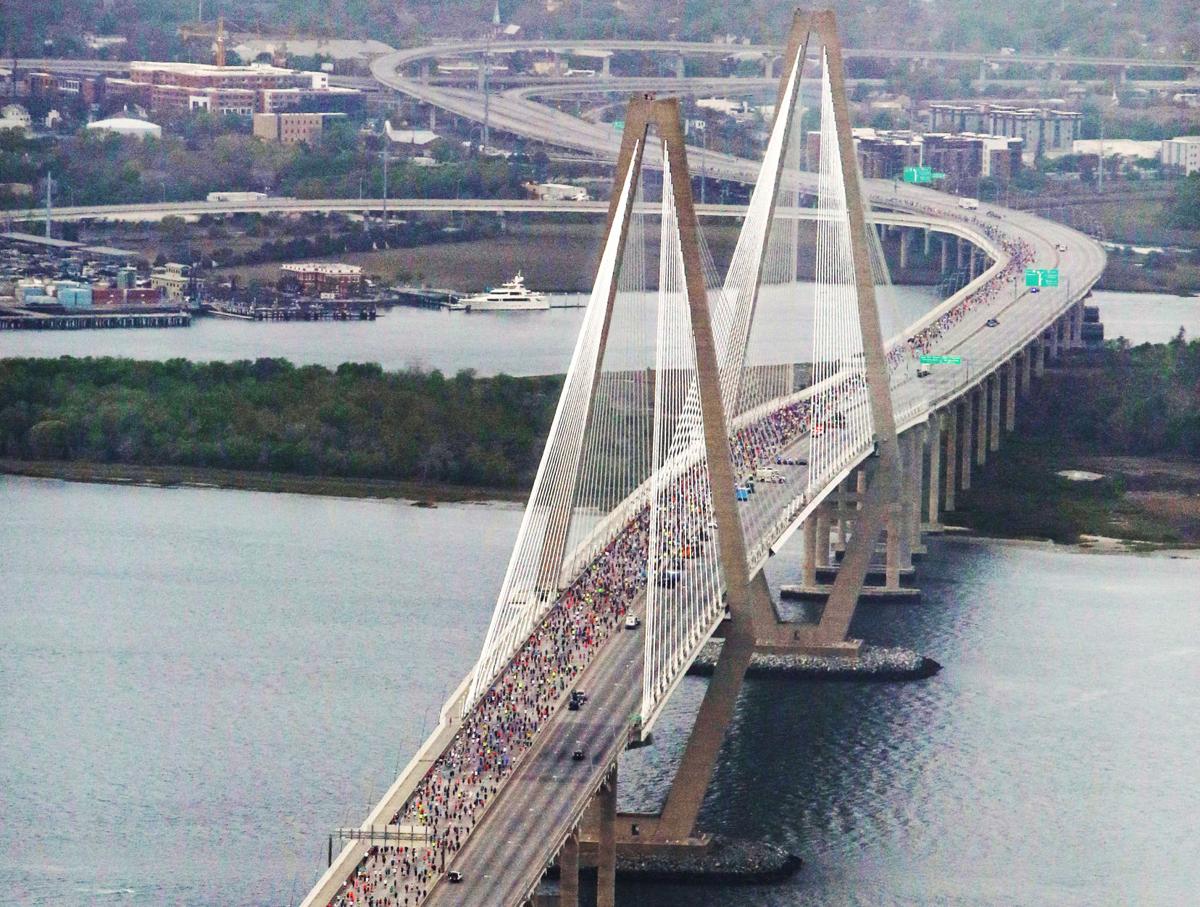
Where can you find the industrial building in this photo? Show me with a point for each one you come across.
(319, 278)
(241, 90)
(1181, 155)
(883, 154)
(1042, 129)
(292, 128)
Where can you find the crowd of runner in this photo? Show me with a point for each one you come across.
(501, 727)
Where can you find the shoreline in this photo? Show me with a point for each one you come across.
(1088, 544)
(419, 494)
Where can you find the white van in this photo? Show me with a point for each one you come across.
(971, 204)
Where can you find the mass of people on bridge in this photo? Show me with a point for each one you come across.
(500, 728)
(451, 798)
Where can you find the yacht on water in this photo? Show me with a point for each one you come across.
(511, 296)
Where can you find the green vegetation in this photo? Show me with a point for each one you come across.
(1184, 209)
(268, 415)
(1133, 404)
(203, 156)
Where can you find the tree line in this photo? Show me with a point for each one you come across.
(356, 421)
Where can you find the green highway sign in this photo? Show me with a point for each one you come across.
(1041, 277)
(921, 175)
(941, 360)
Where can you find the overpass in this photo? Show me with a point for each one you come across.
(867, 445)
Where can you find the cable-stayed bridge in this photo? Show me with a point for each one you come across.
(703, 420)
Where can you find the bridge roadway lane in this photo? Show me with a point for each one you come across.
(537, 806)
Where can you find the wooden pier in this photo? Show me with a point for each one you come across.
(91, 320)
(342, 311)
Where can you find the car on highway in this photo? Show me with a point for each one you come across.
(579, 753)
(1035, 290)
(632, 622)
(992, 323)
(454, 877)
(922, 373)
(1060, 247)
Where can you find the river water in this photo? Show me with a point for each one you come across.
(196, 685)
(515, 343)
(1146, 317)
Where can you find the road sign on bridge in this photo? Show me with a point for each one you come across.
(941, 360)
(1041, 277)
(921, 175)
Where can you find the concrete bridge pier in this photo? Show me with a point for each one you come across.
(1053, 338)
(974, 263)
(839, 529)
(935, 469)
(822, 530)
(959, 252)
(981, 432)
(809, 538)
(1026, 369)
(1039, 364)
(912, 500)
(1010, 397)
(945, 253)
(928, 241)
(606, 850)
(892, 523)
(951, 486)
(1077, 338)
(994, 412)
(606, 66)
(423, 71)
(680, 67)
(903, 248)
(568, 871)
(967, 425)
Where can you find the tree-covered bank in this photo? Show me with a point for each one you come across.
(1131, 415)
(270, 416)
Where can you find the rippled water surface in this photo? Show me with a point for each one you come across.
(196, 685)
(516, 343)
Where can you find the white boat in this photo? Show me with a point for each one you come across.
(511, 296)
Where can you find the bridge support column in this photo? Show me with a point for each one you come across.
(606, 67)
(903, 248)
(916, 472)
(945, 253)
(809, 537)
(606, 851)
(1052, 353)
(1077, 337)
(839, 530)
(959, 252)
(967, 427)
(680, 68)
(822, 521)
(892, 523)
(981, 409)
(1039, 364)
(935, 469)
(974, 262)
(1026, 370)
(1010, 403)
(928, 241)
(903, 511)
(423, 71)
(568, 871)
(951, 486)
(994, 413)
